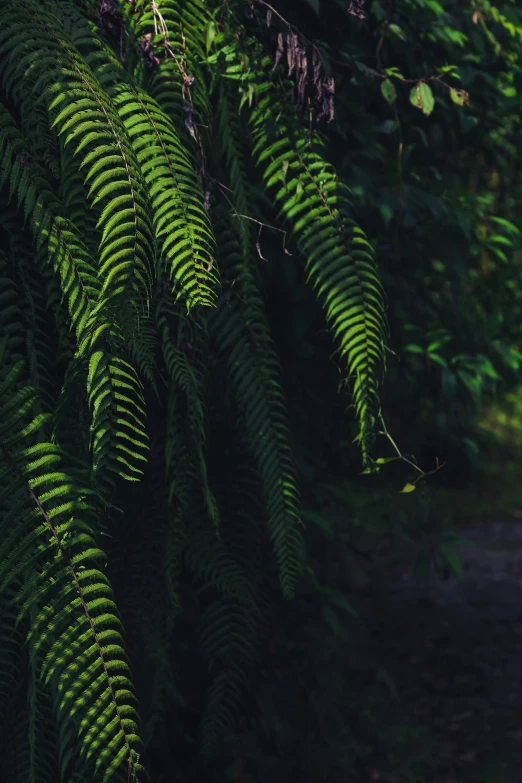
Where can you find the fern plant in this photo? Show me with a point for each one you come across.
(127, 136)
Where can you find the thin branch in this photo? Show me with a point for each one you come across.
(400, 455)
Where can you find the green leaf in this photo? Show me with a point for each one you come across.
(386, 212)
(438, 359)
(451, 558)
(460, 97)
(422, 98)
(211, 33)
(470, 381)
(499, 254)
(3, 349)
(487, 368)
(472, 446)
(393, 71)
(247, 94)
(451, 70)
(394, 29)
(506, 224)
(407, 488)
(389, 91)
(499, 239)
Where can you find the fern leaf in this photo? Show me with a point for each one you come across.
(82, 113)
(181, 224)
(339, 259)
(186, 396)
(174, 33)
(66, 252)
(241, 333)
(75, 628)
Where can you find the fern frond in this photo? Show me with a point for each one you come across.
(35, 282)
(73, 195)
(207, 558)
(340, 262)
(82, 113)
(71, 417)
(76, 632)
(118, 435)
(114, 392)
(150, 604)
(143, 349)
(66, 252)
(118, 360)
(227, 632)
(11, 319)
(11, 653)
(182, 351)
(240, 331)
(42, 756)
(174, 33)
(181, 224)
(29, 753)
(231, 624)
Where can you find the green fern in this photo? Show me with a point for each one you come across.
(339, 259)
(84, 119)
(181, 224)
(228, 630)
(241, 332)
(67, 253)
(174, 33)
(125, 153)
(180, 339)
(75, 627)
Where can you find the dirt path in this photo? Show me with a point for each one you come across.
(457, 644)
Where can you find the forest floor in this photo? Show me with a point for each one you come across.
(456, 647)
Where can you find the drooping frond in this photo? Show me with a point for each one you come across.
(66, 251)
(73, 195)
(118, 436)
(228, 629)
(125, 152)
(171, 40)
(150, 604)
(84, 115)
(207, 558)
(339, 259)
(113, 388)
(241, 334)
(181, 224)
(75, 632)
(29, 749)
(234, 621)
(11, 655)
(183, 345)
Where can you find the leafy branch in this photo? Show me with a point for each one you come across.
(421, 95)
(411, 485)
